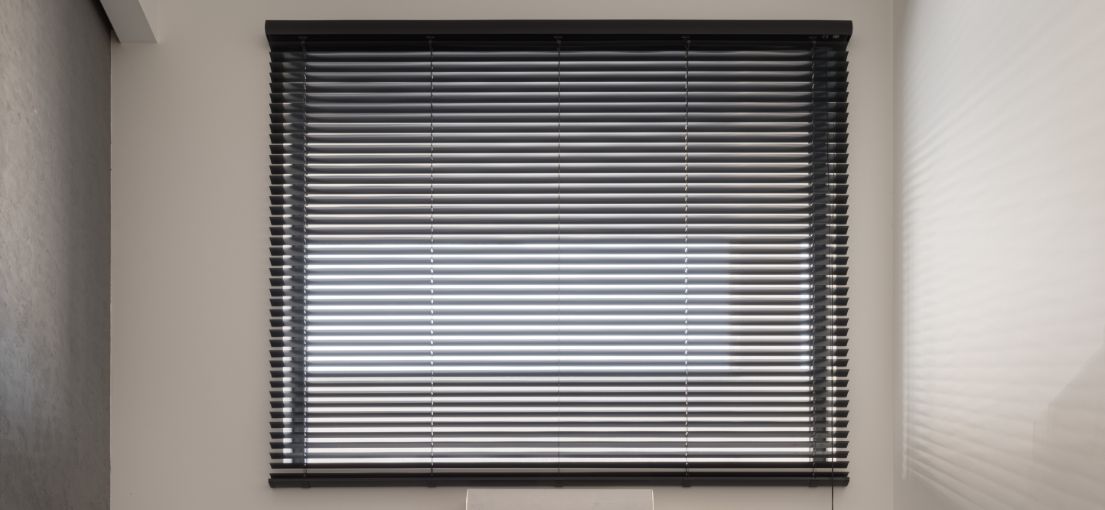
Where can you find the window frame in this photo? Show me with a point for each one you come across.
(291, 364)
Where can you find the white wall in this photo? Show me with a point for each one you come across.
(189, 253)
(1001, 111)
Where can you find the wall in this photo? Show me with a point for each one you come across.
(189, 274)
(54, 255)
(1003, 254)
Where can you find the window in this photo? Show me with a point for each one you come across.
(558, 253)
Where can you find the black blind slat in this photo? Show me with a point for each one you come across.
(572, 257)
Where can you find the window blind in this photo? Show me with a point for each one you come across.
(558, 253)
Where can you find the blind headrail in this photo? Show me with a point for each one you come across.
(284, 29)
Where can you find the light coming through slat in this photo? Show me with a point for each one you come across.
(552, 259)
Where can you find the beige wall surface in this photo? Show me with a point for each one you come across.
(1001, 116)
(189, 253)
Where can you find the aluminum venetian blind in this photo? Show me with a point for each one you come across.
(590, 254)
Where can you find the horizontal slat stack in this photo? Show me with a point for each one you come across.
(559, 259)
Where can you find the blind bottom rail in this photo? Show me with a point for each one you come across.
(823, 479)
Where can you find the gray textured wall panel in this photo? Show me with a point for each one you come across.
(54, 255)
